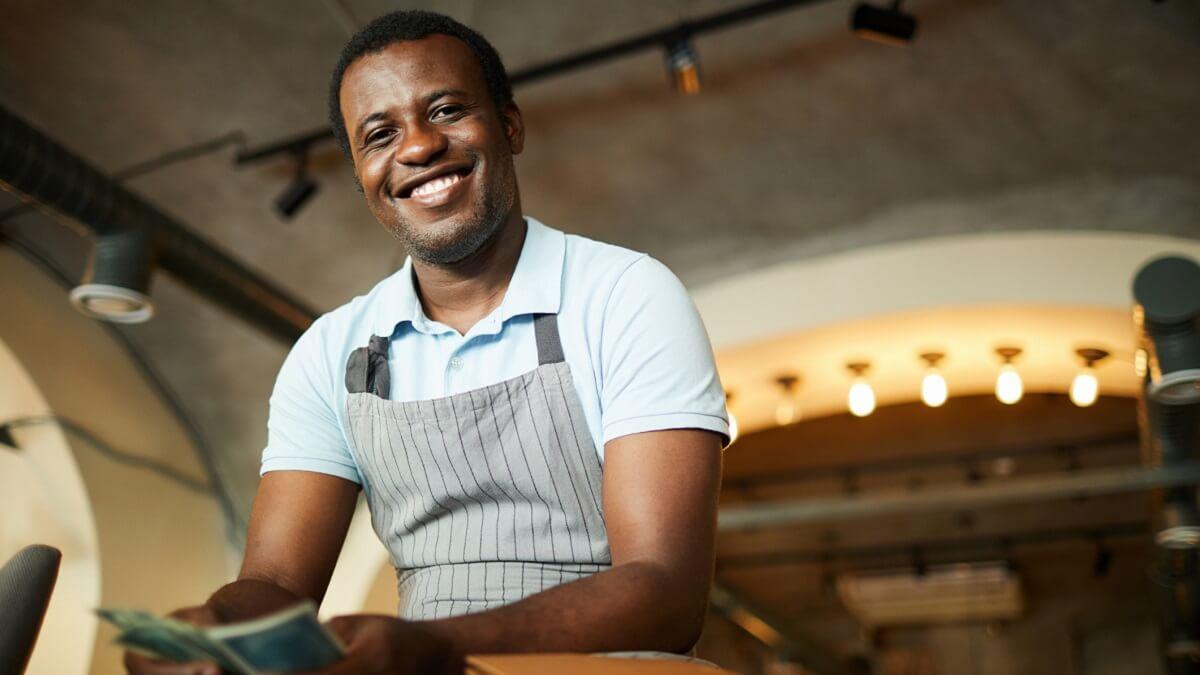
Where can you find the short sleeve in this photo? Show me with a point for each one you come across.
(658, 370)
(303, 429)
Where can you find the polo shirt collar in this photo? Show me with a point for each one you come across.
(535, 288)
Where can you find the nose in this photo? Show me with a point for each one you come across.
(422, 144)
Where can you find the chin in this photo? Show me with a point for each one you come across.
(448, 241)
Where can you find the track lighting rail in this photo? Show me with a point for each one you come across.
(659, 39)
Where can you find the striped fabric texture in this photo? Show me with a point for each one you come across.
(485, 497)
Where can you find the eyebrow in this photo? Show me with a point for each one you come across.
(440, 93)
(373, 117)
(428, 99)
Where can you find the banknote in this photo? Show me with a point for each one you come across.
(286, 641)
(289, 640)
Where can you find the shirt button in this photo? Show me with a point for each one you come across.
(456, 363)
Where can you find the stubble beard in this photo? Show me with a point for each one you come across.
(457, 239)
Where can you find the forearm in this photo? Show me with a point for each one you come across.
(247, 598)
(633, 606)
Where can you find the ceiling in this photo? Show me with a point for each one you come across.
(786, 572)
(1004, 115)
(891, 345)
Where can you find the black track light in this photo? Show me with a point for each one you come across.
(299, 191)
(888, 26)
(684, 66)
(116, 286)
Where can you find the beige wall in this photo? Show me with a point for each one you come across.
(160, 546)
(43, 500)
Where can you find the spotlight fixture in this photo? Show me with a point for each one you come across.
(299, 191)
(861, 398)
(684, 65)
(733, 423)
(788, 410)
(116, 285)
(933, 386)
(1085, 388)
(888, 26)
(1009, 387)
(1167, 291)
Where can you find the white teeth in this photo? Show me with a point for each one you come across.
(436, 185)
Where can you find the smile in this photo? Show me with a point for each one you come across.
(440, 189)
(436, 185)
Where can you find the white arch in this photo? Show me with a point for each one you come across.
(43, 501)
(1084, 269)
(1049, 292)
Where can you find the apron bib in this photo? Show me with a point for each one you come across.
(484, 497)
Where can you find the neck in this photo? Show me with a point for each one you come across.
(462, 293)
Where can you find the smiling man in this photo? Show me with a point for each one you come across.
(535, 418)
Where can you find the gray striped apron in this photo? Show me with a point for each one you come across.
(484, 497)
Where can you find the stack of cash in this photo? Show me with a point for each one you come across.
(286, 641)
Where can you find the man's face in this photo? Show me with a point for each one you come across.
(433, 155)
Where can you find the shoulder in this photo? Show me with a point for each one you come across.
(596, 270)
(331, 338)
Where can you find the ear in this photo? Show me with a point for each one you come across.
(514, 128)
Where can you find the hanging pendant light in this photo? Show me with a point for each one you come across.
(861, 398)
(787, 410)
(683, 64)
(1009, 388)
(1085, 388)
(934, 391)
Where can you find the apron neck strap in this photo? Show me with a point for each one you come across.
(549, 346)
(367, 369)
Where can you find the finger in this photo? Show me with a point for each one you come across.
(343, 626)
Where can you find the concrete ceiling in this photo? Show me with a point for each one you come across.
(1003, 115)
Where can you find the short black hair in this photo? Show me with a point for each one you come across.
(402, 26)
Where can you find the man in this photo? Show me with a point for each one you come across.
(535, 418)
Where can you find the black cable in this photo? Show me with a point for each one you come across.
(656, 39)
(236, 522)
(76, 429)
(235, 138)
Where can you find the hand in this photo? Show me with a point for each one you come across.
(138, 664)
(385, 644)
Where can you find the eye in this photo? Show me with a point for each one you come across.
(447, 111)
(380, 134)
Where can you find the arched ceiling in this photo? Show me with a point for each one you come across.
(1004, 115)
(891, 344)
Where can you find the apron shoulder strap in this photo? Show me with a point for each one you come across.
(367, 369)
(549, 346)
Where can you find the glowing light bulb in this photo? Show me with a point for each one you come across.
(861, 398)
(1085, 389)
(1009, 387)
(1140, 362)
(933, 389)
(733, 426)
(785, 412)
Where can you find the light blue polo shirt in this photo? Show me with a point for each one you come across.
(638, 352)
